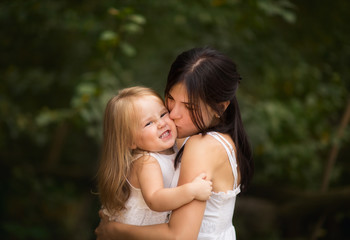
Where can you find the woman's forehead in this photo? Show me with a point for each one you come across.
(179, 92)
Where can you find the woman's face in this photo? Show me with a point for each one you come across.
(180, 109)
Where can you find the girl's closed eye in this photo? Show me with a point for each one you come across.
(164, 114)
(148, 124)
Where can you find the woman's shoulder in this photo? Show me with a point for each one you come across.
(207, 138)
(200, 150)
(210, 144)
(203, 142)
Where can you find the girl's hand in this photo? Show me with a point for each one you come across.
(201, 187)
(104, 231)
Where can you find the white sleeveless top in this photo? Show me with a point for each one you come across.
(217, 219)
(137, 212)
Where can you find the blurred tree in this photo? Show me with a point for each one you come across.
(60, 61)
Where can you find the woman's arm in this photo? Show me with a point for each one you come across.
(110, 230)
(161, 199)
(185, 221)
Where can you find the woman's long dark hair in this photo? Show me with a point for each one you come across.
(212, 77)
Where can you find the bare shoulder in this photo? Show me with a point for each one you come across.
(206, 144)
(202, 150)
(143, 160)
(207, 154)
(208, 148)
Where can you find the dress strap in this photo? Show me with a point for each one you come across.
(131, 184)
(183, 144)
(231, 155)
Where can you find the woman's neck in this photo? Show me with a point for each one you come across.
(179, 142)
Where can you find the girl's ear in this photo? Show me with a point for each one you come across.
(133, 146)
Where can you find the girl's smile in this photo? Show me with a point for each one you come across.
(156, 132)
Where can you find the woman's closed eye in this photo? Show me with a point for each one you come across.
(169, 97)
(190, 107)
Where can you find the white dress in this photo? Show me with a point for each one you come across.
(137, 212)
(217, 219)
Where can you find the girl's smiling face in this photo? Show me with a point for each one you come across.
(156, 132)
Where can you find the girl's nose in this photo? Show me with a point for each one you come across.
(161, 123)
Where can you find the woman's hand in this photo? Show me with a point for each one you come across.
(104, 231)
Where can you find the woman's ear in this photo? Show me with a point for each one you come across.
(223, 106)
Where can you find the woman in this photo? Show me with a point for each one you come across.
(201, 97)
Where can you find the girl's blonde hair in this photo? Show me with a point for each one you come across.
(120, 122)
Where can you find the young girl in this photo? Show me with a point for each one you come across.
(201, 97)
(137, 164)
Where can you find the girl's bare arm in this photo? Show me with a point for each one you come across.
(185, 221)
(161, 199)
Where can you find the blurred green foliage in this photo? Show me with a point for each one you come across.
(62, 60)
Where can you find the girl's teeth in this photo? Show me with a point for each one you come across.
(165, 134)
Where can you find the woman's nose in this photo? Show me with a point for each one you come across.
(174, 113)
